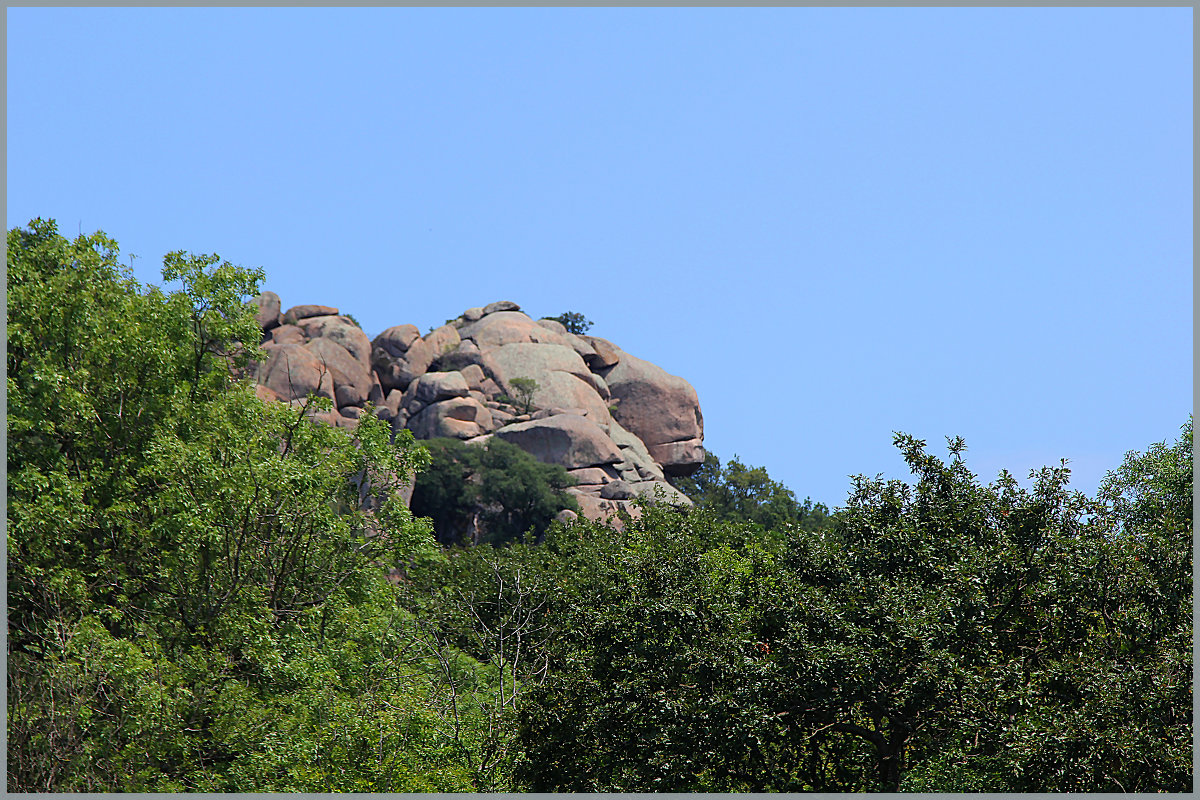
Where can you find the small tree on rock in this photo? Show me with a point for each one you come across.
(573, 321)
(525, 389)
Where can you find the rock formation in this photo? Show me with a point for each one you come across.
(618, 424)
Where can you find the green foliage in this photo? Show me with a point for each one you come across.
(494, 492)
(573, 321)
(947, 636)
(525, 389)
(1150, 492)
(195, 600)
(657, 672)
(738, 492)
(494, 604)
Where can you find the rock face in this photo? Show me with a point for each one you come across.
(293, 371)
(567, 440)
(660, 409)
(619, 424)
(351, 380)
(456, 418)
(296, 313)
(268, 315)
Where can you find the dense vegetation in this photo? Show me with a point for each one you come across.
(197, 602)
(492, 494)
(194, 600)
(948, 636)
(736, 492)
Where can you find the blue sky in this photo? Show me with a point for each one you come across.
(835, 224)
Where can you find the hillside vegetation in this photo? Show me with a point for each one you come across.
(209, 592)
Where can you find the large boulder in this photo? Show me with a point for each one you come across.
(397, 339)
(563, 380)
(342, 331)
(456, 418)
(442, 340)
(618, 490)
(465, 354)
(500, 305)
(635, 452)
(265, 394)
(528, 360)
(567, 440)
(351, 379)
(508, 327)
(604, 354)
(398, 372)
(564, 390)
(579, 345)
(296, 313)
(433, 387)
(679, 458)
(554, 325)
(392, 401)
(268, 315)
(660, 492)
(474, 376)
(419, 356)
(593, 476)
(596, 508)
(660, 409)
(288, 334)
(293, 371)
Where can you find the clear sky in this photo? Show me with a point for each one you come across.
(835, 224)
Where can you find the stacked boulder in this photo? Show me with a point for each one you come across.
(618, 424)
(312, 349)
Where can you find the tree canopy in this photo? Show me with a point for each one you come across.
(196, 600)
(943, 636)
(199, 598)
(739, 492)
(494, 492)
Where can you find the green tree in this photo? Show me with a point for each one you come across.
(946, 635)
(495, 492)
(573, 321)
(738, 492)
(656, 672)
(196, 601)
(525, 389)
(493, 604)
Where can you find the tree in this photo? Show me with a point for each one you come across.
(525, 389)
(495, 492)
(657, 669)
(491, 603)
(573, 321)
(946, 635)
(738, 492)
(195, 599)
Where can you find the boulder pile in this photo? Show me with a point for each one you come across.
(618, 424)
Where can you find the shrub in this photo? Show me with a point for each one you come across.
(573, 321)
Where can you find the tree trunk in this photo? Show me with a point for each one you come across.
(890, 755)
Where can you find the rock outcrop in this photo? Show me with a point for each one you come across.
(569, 440)
(660, 409)
(620, 425)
